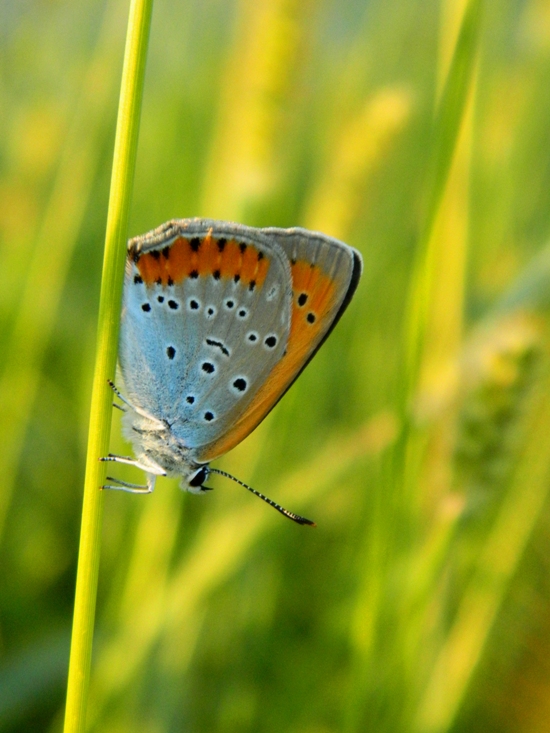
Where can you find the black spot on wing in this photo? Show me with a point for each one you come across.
(219, 345)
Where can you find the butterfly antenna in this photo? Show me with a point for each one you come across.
(295, 517)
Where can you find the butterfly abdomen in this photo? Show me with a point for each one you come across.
(157, 445)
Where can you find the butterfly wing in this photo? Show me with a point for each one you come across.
(324, 276)
(206, 318)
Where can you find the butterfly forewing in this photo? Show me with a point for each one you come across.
(206, 318)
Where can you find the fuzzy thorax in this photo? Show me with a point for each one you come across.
(156, 446)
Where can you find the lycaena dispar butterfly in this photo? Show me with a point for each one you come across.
(218, 320)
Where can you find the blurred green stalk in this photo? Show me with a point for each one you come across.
(390, 635)
(42, 289)
(452, 110)
(462, 648)
(124, 159)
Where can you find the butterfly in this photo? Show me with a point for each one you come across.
(218, 320)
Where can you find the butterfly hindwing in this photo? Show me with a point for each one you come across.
(324, 275)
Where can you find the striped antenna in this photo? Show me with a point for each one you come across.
(295, 517)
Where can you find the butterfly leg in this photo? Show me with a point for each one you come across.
(150, 469)
(132, 488)
(138, 410)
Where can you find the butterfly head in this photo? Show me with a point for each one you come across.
(195, 479)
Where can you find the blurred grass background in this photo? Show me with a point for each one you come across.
(418, 439)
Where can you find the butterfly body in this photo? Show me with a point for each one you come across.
(218, 320)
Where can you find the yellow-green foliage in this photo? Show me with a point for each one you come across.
(418, 438)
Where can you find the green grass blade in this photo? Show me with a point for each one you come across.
(388, 635)
(108, 325)
(450, 116)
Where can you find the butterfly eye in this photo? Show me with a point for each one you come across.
(199, 477)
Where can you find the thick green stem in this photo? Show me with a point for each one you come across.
(131, 94)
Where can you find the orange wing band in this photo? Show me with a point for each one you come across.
(202, 257)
